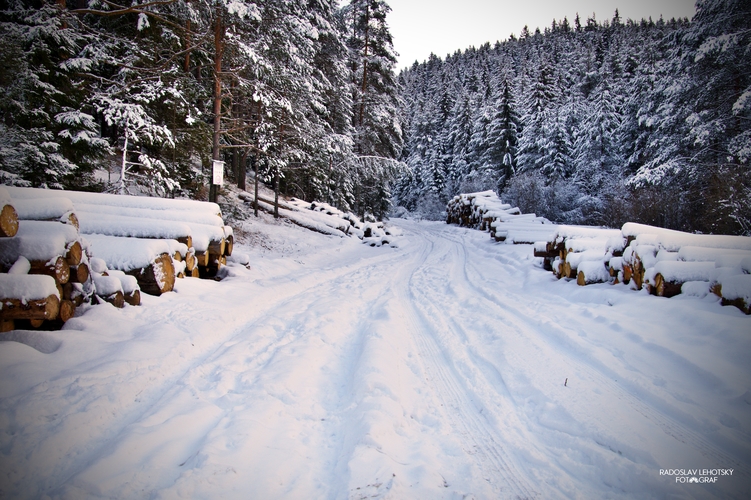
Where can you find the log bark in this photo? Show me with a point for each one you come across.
(217, 247)
(664, 288)
(7, 325)
(190, 261)
(58, 269)
(187, 240)
(33, 309)
(157, 278)
(627, 273)
(202, 259)
(8, 221)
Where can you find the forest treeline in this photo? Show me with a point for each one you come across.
(143, 96)
(590, 122)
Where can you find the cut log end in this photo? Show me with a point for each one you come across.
(8, 221)
(117, 299)
(133, 298)
(58, 269)
(157, 278)
(67, 310)
(75, 254)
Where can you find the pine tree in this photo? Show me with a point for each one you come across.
(48, 135)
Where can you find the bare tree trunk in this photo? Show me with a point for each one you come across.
(365, 64)
(242, 169)
(186, 63)
(255, 182)
(218, 49)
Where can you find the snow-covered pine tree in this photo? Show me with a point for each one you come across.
(378, 134)
(48, 134)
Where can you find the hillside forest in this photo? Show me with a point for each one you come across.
(592, 122)
(586, 121)
(141, 97)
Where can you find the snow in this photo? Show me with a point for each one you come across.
(575, 258)
(125, 254)
(39, 241)
(737, 287)
(450, 367)
(113, 200)
(128, 283)
(51, 208)
(594, 271)
(680, 272)
(124, 226)
(27, 287)
(674, 240)
(106, 286)
(21, 266)
(208, 217)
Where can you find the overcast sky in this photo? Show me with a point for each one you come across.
(420, 27)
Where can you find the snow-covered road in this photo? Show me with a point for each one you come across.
(450, 367)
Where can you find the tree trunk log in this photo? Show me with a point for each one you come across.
(116, 299)
(33, 309)
(157, 278)
(58, 269)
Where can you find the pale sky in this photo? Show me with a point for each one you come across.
(420, 27)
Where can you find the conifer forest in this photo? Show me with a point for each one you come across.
(586, 121)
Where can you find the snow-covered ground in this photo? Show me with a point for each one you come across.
(449, 367)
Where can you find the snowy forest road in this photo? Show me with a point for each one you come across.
(451, 367)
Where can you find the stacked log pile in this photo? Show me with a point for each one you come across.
(199, 240)
(663, 262)
(668, 262)
(581, 253)
(326, 219)
(45, 273)
(486, 212)
(138, 244)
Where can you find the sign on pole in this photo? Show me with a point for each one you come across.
(218, 173)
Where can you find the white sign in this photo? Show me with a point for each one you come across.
(218, 173)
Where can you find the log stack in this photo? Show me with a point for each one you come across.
(139, 244)
(45, 242)
(199, 240)
(664, 262)
(581, 253)
(486, 212)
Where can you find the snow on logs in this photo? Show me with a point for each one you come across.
(138, 244)
(486, 212)
(662, 261)
(196, 224)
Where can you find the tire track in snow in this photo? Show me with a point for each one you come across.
(519, 317)
(107, 437)
(499, 469)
